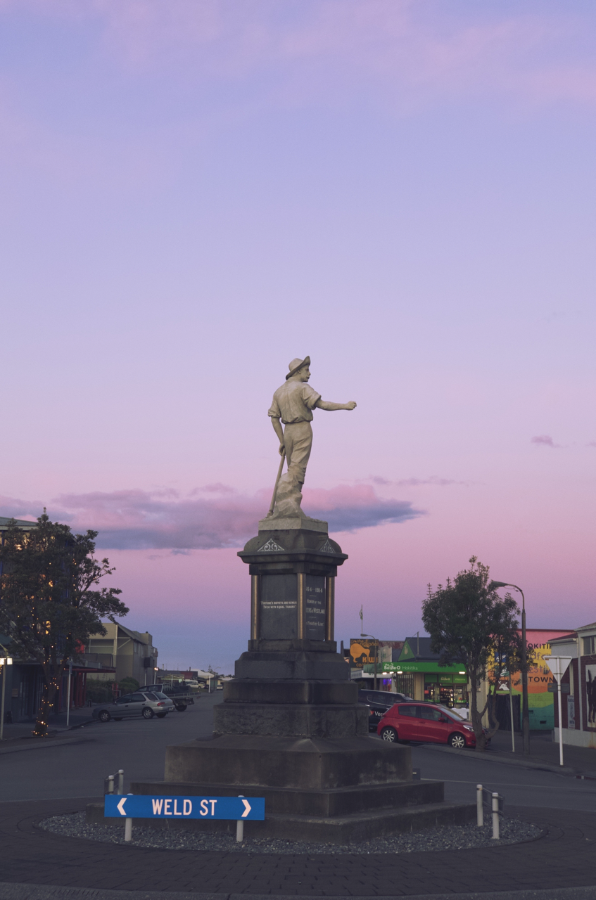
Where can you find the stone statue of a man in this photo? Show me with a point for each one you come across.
(294, 403)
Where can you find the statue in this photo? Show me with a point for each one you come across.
(294, 403)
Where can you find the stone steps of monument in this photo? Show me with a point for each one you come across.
(296, 801)
(366, 825)
(356, 827)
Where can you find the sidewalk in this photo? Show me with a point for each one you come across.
(543, 750)
(544, 754)
(558, 865)
(57, 725)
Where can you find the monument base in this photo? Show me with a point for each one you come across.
(290, 728)
(315, 789)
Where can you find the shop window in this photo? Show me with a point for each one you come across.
(590, 645)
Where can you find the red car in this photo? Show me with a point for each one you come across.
(426, 722)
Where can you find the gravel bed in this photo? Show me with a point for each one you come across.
(442, 837)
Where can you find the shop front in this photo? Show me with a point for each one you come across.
(450, 689)
(434, 683)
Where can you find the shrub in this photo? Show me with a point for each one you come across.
(99, 691)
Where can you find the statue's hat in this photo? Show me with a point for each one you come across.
(296, 365)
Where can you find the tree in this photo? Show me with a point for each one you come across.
(471, 625)
(48, 601)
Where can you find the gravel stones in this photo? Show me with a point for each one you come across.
(443, 837)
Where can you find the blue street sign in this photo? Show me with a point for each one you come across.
(138, 806)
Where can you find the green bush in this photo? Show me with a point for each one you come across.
(128, 685)
(99, 691)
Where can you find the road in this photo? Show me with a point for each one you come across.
(51, 770)
(520, 786)
(77, 768)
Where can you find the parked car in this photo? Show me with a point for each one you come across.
(181, 695)
(141, 703)
(378, 703)
(426, 722)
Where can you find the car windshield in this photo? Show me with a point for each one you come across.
(160, 696)
(150, 695)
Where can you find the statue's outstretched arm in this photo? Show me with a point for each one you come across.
(326, 404)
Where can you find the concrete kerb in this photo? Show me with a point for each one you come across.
(20, 745)
(493, 757)
(54, 892)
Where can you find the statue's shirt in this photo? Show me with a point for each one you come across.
(294, 402)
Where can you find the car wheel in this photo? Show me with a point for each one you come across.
(161, 715)
(147, 713)
(180, 707)
(457, 740)
(104, 716)
(390, 735)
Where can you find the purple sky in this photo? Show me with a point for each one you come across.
(194, 193)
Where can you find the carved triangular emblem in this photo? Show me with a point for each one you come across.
(326, 548)
(270, 547)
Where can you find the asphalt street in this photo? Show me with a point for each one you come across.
(75, 766)
(462, 771)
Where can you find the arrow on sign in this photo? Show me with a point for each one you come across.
(120, 806)
(247, 809)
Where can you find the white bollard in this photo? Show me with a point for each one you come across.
(495, 817)
(110, 784)
(240, 827)
(479, 809)
(128, 829)
(120, 781)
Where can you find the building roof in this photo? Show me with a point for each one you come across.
(565, 638)
(22, 523)
(417, 648)
(590, 627)
(140, 636)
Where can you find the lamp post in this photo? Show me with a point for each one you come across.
(376, 640)
(525, 711)
(4, 662)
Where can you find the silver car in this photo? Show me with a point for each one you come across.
(140, 703)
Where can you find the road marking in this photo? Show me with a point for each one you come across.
(120, 806)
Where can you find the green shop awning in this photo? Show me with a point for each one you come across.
(422, 665)
(436, 678)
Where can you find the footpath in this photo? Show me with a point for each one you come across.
(36, 864)
(544, 754)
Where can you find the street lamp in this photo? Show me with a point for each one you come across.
(4, 662)
(376, 640)
(525, 711)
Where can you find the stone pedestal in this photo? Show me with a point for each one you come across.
(290, 727)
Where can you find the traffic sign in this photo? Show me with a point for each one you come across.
(558, 665)
(552, 688)
(139, 806)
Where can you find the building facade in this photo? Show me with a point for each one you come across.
(579, 700)
(131, 653)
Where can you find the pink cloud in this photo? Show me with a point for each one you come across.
(160, 520)
(433, 480)
(315, 46)
(544, 440)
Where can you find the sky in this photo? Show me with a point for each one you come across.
(194, 193)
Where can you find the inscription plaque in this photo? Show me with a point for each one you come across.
(279, 607)
(315, 607)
